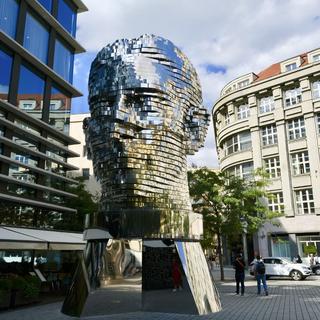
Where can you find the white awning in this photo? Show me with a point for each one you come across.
(12, 238)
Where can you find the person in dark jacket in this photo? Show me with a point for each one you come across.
(239, 266)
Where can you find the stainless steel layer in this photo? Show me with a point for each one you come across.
(146, 116)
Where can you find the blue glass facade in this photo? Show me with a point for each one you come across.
(46, 4)
(36, 38)
(60, 108)
(63, 61)
(8, 16)
(33, 45)
(5, 74)
(30, 92)
(67, 16)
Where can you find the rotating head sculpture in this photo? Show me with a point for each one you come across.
(146, 117)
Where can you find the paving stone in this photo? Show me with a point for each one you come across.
(287, 300)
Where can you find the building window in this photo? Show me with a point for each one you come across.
(243, 171)
(243, 111)
(67, 16)
(316, 58)
(300, 163)
(227, 119)
(296, 129)
(84, 151)
(269, 135)
(316, 89)
(293, 97)
(272, 167)
(243, 84)
(318, 122)
(31, 88)
(8, 16)
(275, 202)
(5, 74)
(63, 61)
(86, 173)
(266, 104)
(22, 159)
(291, 66)
(46, 4)
(239, 142)
(36, 38)
(304, 200)
(27, 104)
(60, 107)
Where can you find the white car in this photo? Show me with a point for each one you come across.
(281, 267)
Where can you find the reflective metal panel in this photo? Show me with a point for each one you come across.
(109, 281)
(199, 277)
(146, 116)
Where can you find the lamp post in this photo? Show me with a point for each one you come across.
(244, 224)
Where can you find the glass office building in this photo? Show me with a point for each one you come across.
(37, 48)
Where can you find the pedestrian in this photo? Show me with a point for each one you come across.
(239, 266)
(312, 261)
(176, 276)
(260, 273)
(298, 259)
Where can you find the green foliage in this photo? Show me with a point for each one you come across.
(31, 288)
(229, 204)
(5, 288)
(5, 285)
(310, 249)
(28, 285)
(84, 203)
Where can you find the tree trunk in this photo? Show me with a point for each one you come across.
(220, 256)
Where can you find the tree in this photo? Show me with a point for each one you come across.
(84, 203)
(226, 202)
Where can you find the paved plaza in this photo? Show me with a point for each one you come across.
(287, 300)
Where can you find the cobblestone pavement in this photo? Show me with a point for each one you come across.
(287, 300)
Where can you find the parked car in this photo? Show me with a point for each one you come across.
(316, 269)
(281, 267)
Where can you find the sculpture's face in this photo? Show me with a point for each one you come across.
(141, 88)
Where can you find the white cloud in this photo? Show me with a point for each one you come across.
(243, 36)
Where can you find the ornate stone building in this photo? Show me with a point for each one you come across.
(272, 120)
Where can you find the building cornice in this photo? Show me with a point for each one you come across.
(278, 80)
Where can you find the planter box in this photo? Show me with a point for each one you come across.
(5, 300)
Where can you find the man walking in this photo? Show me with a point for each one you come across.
(239, 266)
(260, 273)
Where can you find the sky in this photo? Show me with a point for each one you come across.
(222, 39)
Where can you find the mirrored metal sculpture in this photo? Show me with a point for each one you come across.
(146, 117)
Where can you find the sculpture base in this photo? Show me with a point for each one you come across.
(119, 276)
